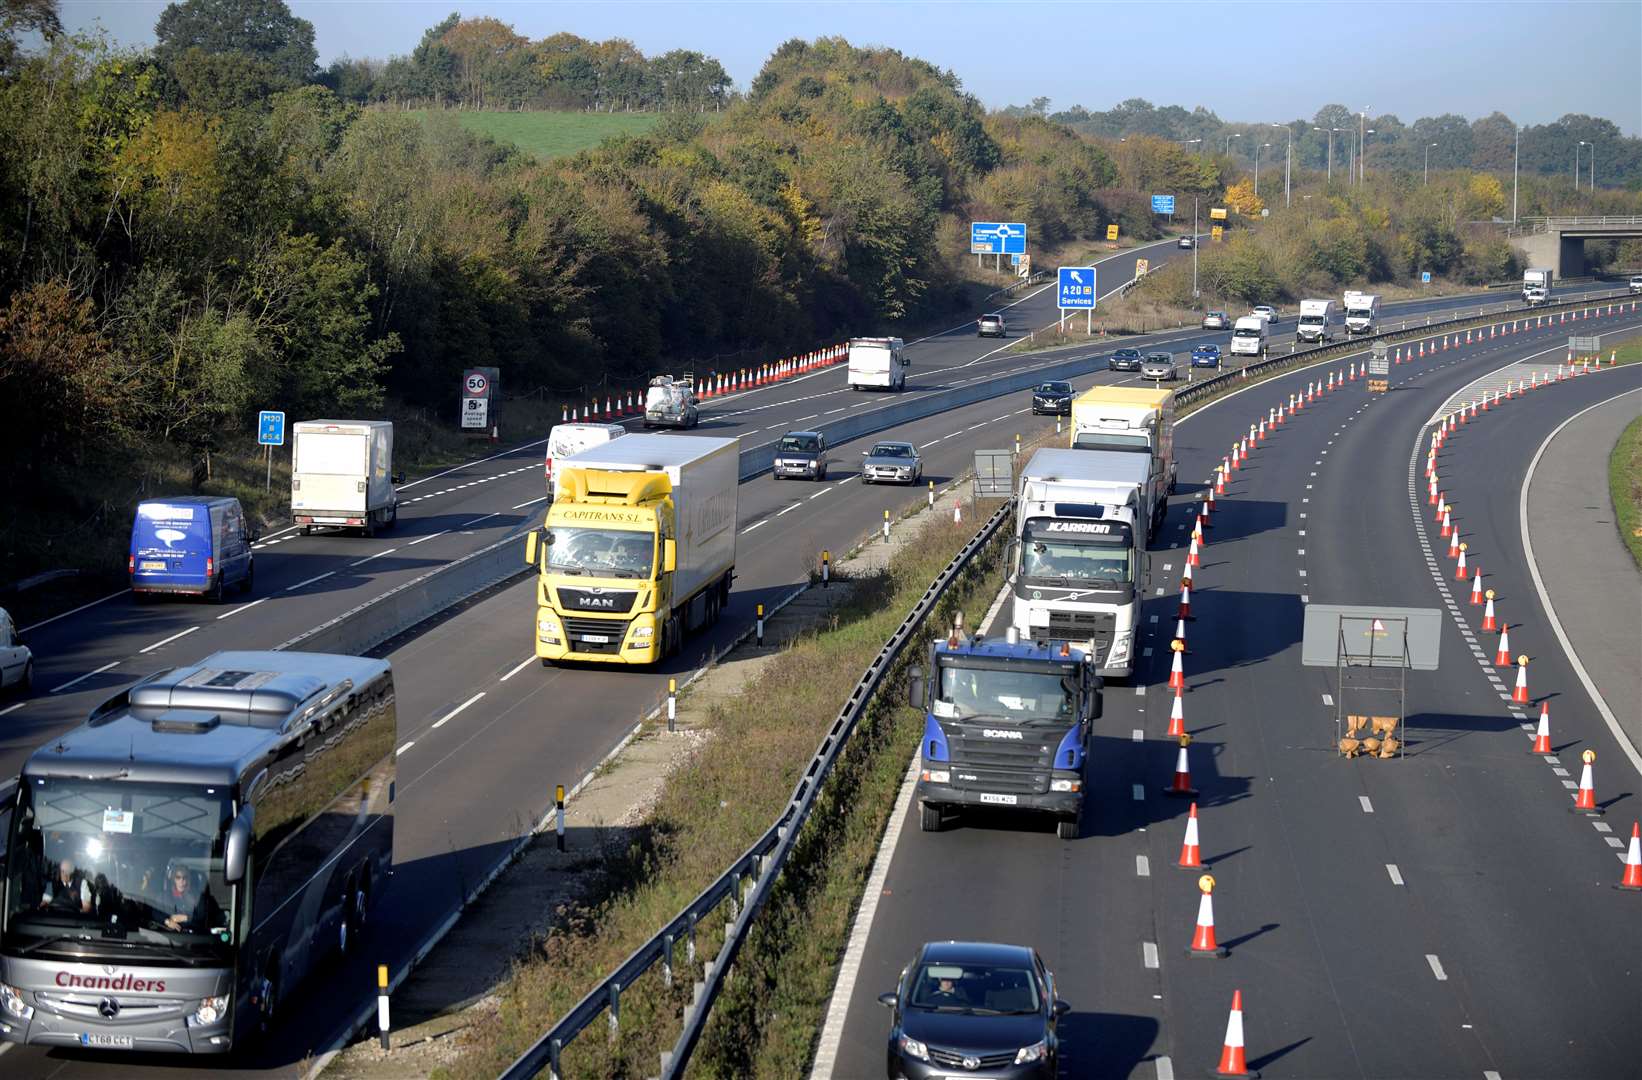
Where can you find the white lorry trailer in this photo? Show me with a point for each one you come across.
(877, 364)
(1536, 285)
(1249, 336)
(1317, 319)
(342, 474)
(1138, 423)
(1079, 564)
(1362, 312)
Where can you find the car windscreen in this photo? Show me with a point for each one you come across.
(1055, 388)
(794, 444)
(974, 988)
(892, 450)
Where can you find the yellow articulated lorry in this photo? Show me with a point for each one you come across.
(637, 550)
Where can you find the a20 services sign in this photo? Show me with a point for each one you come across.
(1075, 288)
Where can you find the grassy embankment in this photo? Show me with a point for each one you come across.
(547, 135)
(1625, 469)
(708, 814)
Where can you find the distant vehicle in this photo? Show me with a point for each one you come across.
(1362, 312)
(1186, 242)
(892, 462)
(1158, 365)
(192, 544)
(1317, 319)
(877, 364)
(568, 440)
(1536, 285)
(16, 661)
(801, 454)
(1216, 320)
(342, 474)
(670, 402)
(229, 827)
(1206, 355)
(1636, 284)
(991, 325)
(1052, 398)
(1124, 360)
(1249, 336)
(959, 1003)
(1266, 312)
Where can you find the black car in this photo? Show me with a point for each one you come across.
(974, 1007)
(1124, 360)
(801, 454)
(1053, 398)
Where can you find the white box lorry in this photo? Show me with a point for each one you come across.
(568, 440)
(1078, 566)
(1317, 319)
(1249, 336)
(1362, 312)
(638, 548)
(877, 364)
(342, 474)
(1536, 285)
(1136, 422)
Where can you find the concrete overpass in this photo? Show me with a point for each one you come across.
(1559, 242)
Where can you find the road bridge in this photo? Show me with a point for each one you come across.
(1559, 242)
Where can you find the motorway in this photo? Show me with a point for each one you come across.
(1442, 914)
(485, 732)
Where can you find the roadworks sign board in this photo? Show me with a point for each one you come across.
(1356, 635)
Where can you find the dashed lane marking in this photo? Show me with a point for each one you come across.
(167, 641)
(310, 581)
(1143, 866)
(1139, 792)
(1363, 801)
(520, 666)
(240, 608)
(443, 720)
(1436, 967)
(1148, 954)
(1395, 874)
(82, 678)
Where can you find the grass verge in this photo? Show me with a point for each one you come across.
(711, 809)
(1625, 482)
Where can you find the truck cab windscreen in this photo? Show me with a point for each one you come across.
(1081, 560)
(1007, 694)
(117, 868)
(1108, 440)
(600, 552)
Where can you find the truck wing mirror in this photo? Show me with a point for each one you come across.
(915, 687)
(397, 479)
(669, 555)
(239, 845)
(533, 541)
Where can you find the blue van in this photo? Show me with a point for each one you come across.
(190, 544)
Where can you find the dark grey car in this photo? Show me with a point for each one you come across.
(892, 463)
(1124, 360)
(801, 454)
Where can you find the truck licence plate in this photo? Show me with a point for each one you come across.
(1001, 800)
(596, 639)
(115, 1042)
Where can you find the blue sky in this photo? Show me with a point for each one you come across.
(1248, 62)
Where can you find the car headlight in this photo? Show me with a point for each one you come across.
(641, 634)
(547, 629)
(1036, 1052)
(11, 1000)
(212, 1010)
(913, 1048)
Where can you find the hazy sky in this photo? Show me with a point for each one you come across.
(1248, 62)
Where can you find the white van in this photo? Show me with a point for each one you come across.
(1249, 336)
(567, 440)
(16, 662)
(877, 363)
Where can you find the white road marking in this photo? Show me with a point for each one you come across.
(1328, 699)
(1601, 826)
(1138, 735)
(430, 536)
(1165, 1067)
(526, 662)
(789, 509)
(443, 720)
(1148, 954)
(1368, 807)
(1140, 691)
(12, 708)
(405, 747)
(1396, 875)
(1143, 866)
(310, 581)
(1436, 967)
(83, 678)
(758, 525)
(475, 521)
(167, 641)
(532, 502)
(240, 608)
(66, 614)
(368, 558)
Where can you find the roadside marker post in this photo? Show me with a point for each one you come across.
(382, 1003)
(932, 483)
(760, 629)
(826, 568)
(672, 684)
(886, 526)
(558, 815)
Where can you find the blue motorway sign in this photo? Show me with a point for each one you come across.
(270, 429)
(1425, 277)
(1162, 204)
(1076, 288)
(997, 238)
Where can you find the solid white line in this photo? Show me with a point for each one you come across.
(167, 641)
(66, 614)
(430, 536)
(12, 709)
(1568, 650)
(1396, 875)
(526, 662)
(443, 720)
(1368, 807)
(83, 678)
(310, 581)
(240, 608)
(532, 502)
(368, 558)
(1436, 967)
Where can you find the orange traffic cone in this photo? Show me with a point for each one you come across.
(1177, 719)
(1488, 620)
(1180, 633)
(1177, 673)
(1191, 855)
(1542, 739)
(1442, 505)
(1203, 943)
(1447, 521)
(1459, 568)
(1181, 785)
(1232, 1060)
(1519, 695)
(1185, 611)
(1632, 880)
(1476, 588)
(1454, 542)
(1502, 655)
(1192, 556)
(1585, 801)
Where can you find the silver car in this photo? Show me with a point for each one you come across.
(1216, 320)
(892, 463)
(1158, 365)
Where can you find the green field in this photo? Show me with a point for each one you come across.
(545, 135)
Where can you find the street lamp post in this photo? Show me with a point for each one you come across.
(1195, 241)
(1362, 158)
(1331, 133)
(1516, 156)
(1288, 165)
(1582, 142)
(1428, 164)
(1362, 143)
(1229, 138)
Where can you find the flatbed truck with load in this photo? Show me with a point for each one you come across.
(637, 550)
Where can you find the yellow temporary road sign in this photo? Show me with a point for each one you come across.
(1216, 232)
(1141, 266)
(1111, 232)
(1217, 213)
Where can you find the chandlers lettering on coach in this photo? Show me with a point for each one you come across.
(110, 982)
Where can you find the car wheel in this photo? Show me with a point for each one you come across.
(214, 594)
(929, 818)
(26, 683)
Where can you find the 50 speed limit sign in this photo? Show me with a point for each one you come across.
(476, 384)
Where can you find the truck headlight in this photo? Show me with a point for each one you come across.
(1036, 1052)
(938, 776)
(547, 629)
(211, 1011)
(1063, 785)
(641, 634)
(11, 1000)
(1120, 648)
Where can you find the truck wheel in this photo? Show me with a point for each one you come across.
(929, 818)
(1067, 828)
(307, 530)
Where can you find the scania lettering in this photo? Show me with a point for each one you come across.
(1362, 312)
(1006, 724)
(178, 865)
(637, 549)
(1078, 565)
(1131, 420)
